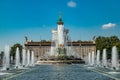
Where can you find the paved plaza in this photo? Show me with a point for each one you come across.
(56, 72)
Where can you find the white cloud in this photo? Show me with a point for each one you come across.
(109, 25)
(71, 4)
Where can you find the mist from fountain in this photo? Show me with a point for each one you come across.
(115, 58)
(61, 44)
(104, 58)
(69, 49)
(17, 58)
(23, 57)
(70, 52)
(32, 59)
(6, 58)
(52, 50)
(89, 59)
(28, 58)
(98, 58)
(93, 58)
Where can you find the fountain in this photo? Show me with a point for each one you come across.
(115, 58)
(89, 58)
(92, 58)
(104, 58)
(98, 58)
(17, 57)
(52, 50)
(54, 42)
(61, 47)
(23, 57)
(32, 58)
(6, 58)
(28, 58)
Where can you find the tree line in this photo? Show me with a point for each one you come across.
(107, 42)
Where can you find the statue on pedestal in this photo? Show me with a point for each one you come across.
(26, 39)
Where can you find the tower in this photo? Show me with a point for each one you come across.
(60, 30)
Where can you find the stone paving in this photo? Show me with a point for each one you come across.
(57, 72)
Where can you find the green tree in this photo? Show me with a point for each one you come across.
(13, 50)
(113, 41)
(1, 57)
(100, 43)
(118, 47)
(1, 54)
(108, 43)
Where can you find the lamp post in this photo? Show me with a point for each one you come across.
(81, 50)
(39, 50)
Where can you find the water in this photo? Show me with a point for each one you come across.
(52, 50)
(70, 51)
(6, 58)
(17, 57)
(60, 72)
(98, 58)
(59, 45)
(60, 34)
(104, 58)
(114, 58)
(89, 58)
(93, 58)
(28, 58)
(32, 58)
(54, 42)
(23, 57)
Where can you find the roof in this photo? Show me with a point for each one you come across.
(48, 43)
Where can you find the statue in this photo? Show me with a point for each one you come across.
(94, 38)
(60, 16)
(26, 39)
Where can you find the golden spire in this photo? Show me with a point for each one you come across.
(60, 16)
(60, 19)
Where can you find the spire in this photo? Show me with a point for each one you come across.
(60, 20)
(60, 16)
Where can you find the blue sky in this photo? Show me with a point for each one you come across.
(36, 19)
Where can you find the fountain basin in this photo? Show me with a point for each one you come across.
(4, 73)
(61, 62)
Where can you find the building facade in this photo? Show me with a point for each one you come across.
(60, 39)
(80, 48)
